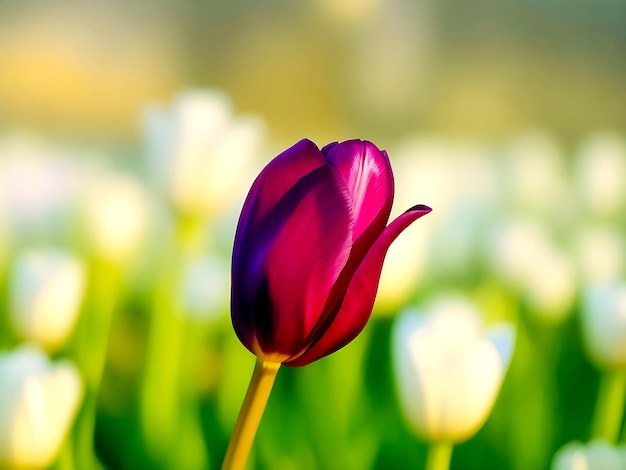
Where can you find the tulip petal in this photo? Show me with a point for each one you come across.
(326, 148)
(278, 177)
(367, 173)
(288, 263)
(348, 317)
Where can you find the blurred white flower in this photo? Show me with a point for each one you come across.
(596, 455)
(206, 287)
(116, 213)
(38, 402)
(604, 324)
(46, 290)
(515, 247)
(449, 370)
(408, 257)
(600, 166)
(462, 183)
(4, 242)
(551, 287)
(39, 185)
(536, 172)
(600, 254)
(203, 157)
(524, 255)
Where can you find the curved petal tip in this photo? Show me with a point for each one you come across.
(420, 208)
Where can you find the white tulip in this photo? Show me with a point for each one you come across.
(39, 185)
(116, 213)
(551, 286)
(536, 172)
(599, 168)
(515, 247)
(46, 290)
(604, 324)
(38, 402)
(524, 255)
(600, 254)
(596, 455)
(449, 370)
(201, 154)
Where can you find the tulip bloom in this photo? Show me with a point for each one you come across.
(604, 324)
(597, 454)
(117, 217)
(309, 249)
(604, 334)
(449, 368)
(46, 291)
(38, 402)
(200, 151)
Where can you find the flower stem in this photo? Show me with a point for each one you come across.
(609, 412)
(91, 353)
(250, 414)
(439, 455)
(166, 391)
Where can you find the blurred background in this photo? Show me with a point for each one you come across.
(507, 117)
(319, 68)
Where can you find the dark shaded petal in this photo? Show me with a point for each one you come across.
(289, 263)
(354, 312)
(278, 177)
(326, 148)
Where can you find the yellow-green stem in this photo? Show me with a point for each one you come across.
(439, 455)
(250, 414)
(91, 354)
(164, 384)
(609, 412)
(65, 459)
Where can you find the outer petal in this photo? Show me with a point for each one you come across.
(369, 178)
(289, 263)
(346, 319)
(326, 148)
(278, 177)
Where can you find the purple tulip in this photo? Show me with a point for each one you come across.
(309, 249)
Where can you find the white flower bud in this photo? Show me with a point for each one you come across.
(551, 287)
(536, 172)
(449, 370)
(604, 324)
(596, 455)
(46, 290)
(201, 154)
(116, 213)
(516, 246)
(38, 402)
(599, 169)
(600, 254)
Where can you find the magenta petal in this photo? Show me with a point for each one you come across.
(359, 298)
(278, 177)
(289, 263)
(368, 176)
